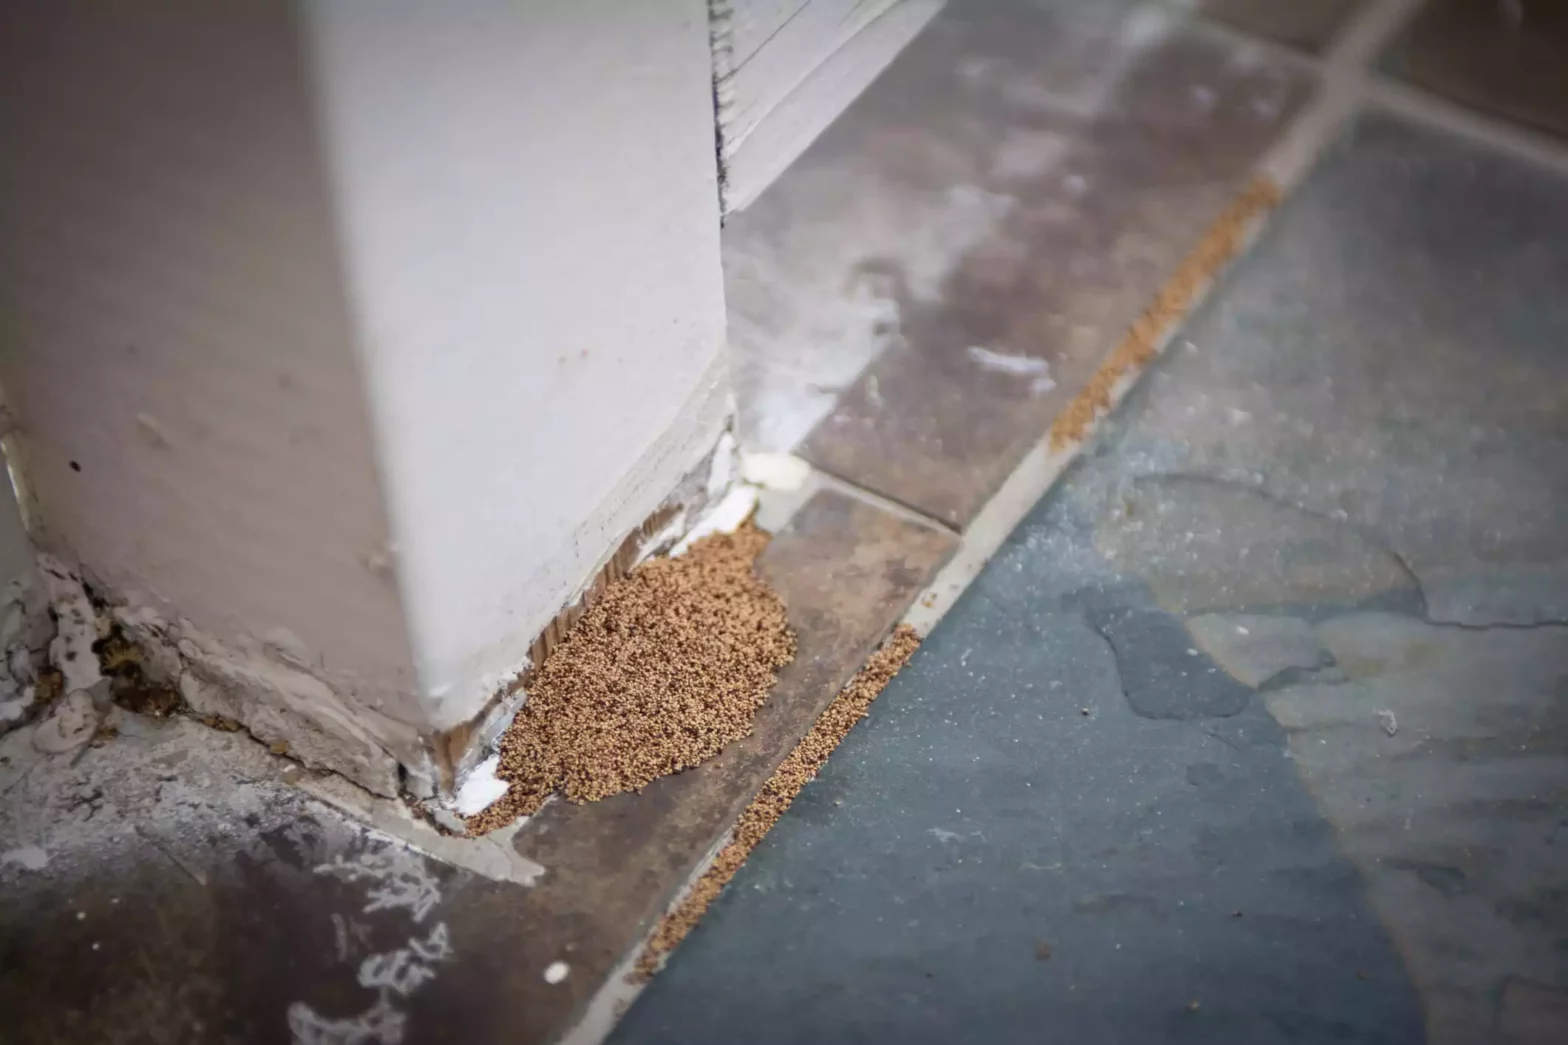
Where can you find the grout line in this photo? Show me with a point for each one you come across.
(1349, 83)
(1205, 27)
(1294, 155)
(1028, 483)
(1422, 107)
(609, 1003)
(1047, 460)
(1361, 41)
(1343, 84)
(886, 504)
(1342, 92)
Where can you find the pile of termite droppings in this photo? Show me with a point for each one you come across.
(851, 705)
(670, 665)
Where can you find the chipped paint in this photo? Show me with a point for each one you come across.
(724, 517)
(480, 789)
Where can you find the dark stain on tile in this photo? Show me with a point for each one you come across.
(211, 930)
(1306, 24)
(1504, 57)
(846, 572)
(1160, 673)
(1098, 183)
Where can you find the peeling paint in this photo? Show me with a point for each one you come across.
(76, 624)
(724, 517)
(480, 788)
(271, 689)
(772, 471)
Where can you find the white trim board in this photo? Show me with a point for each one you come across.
(785, 71)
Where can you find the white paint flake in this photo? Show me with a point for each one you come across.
(1386, 719)
(784, 472)
(723, 467)
(1037, 370)
(30, 857)
(481, 788)
(724, 517)
(71, 652)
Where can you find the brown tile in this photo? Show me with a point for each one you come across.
(1307, 24)
(846, 572)
(1021, 181)
(1505, 57)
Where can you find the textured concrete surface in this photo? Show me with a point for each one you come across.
(1254, 731)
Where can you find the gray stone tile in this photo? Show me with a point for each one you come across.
(1176, 873)
(1162, 674)
(1457, 818)
(1256, 650)
(1390, 360)
(1203, 545)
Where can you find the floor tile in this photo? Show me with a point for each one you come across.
(1440, 453)
(1307, 24)
(1389, 361)
(930, 284)
(1009, 851)
(1503, 57)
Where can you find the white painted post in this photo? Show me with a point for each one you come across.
(349, 339)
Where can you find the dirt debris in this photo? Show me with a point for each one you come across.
(1140, 346)
(670, 665)
(120, 660)
(851, 705)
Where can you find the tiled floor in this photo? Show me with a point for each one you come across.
(944, 269)
(1139, 785)
(1505, 57)
(1253, 732)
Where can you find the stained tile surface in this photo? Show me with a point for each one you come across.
(1508, 58)
(918, 297)
(1307, 24)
